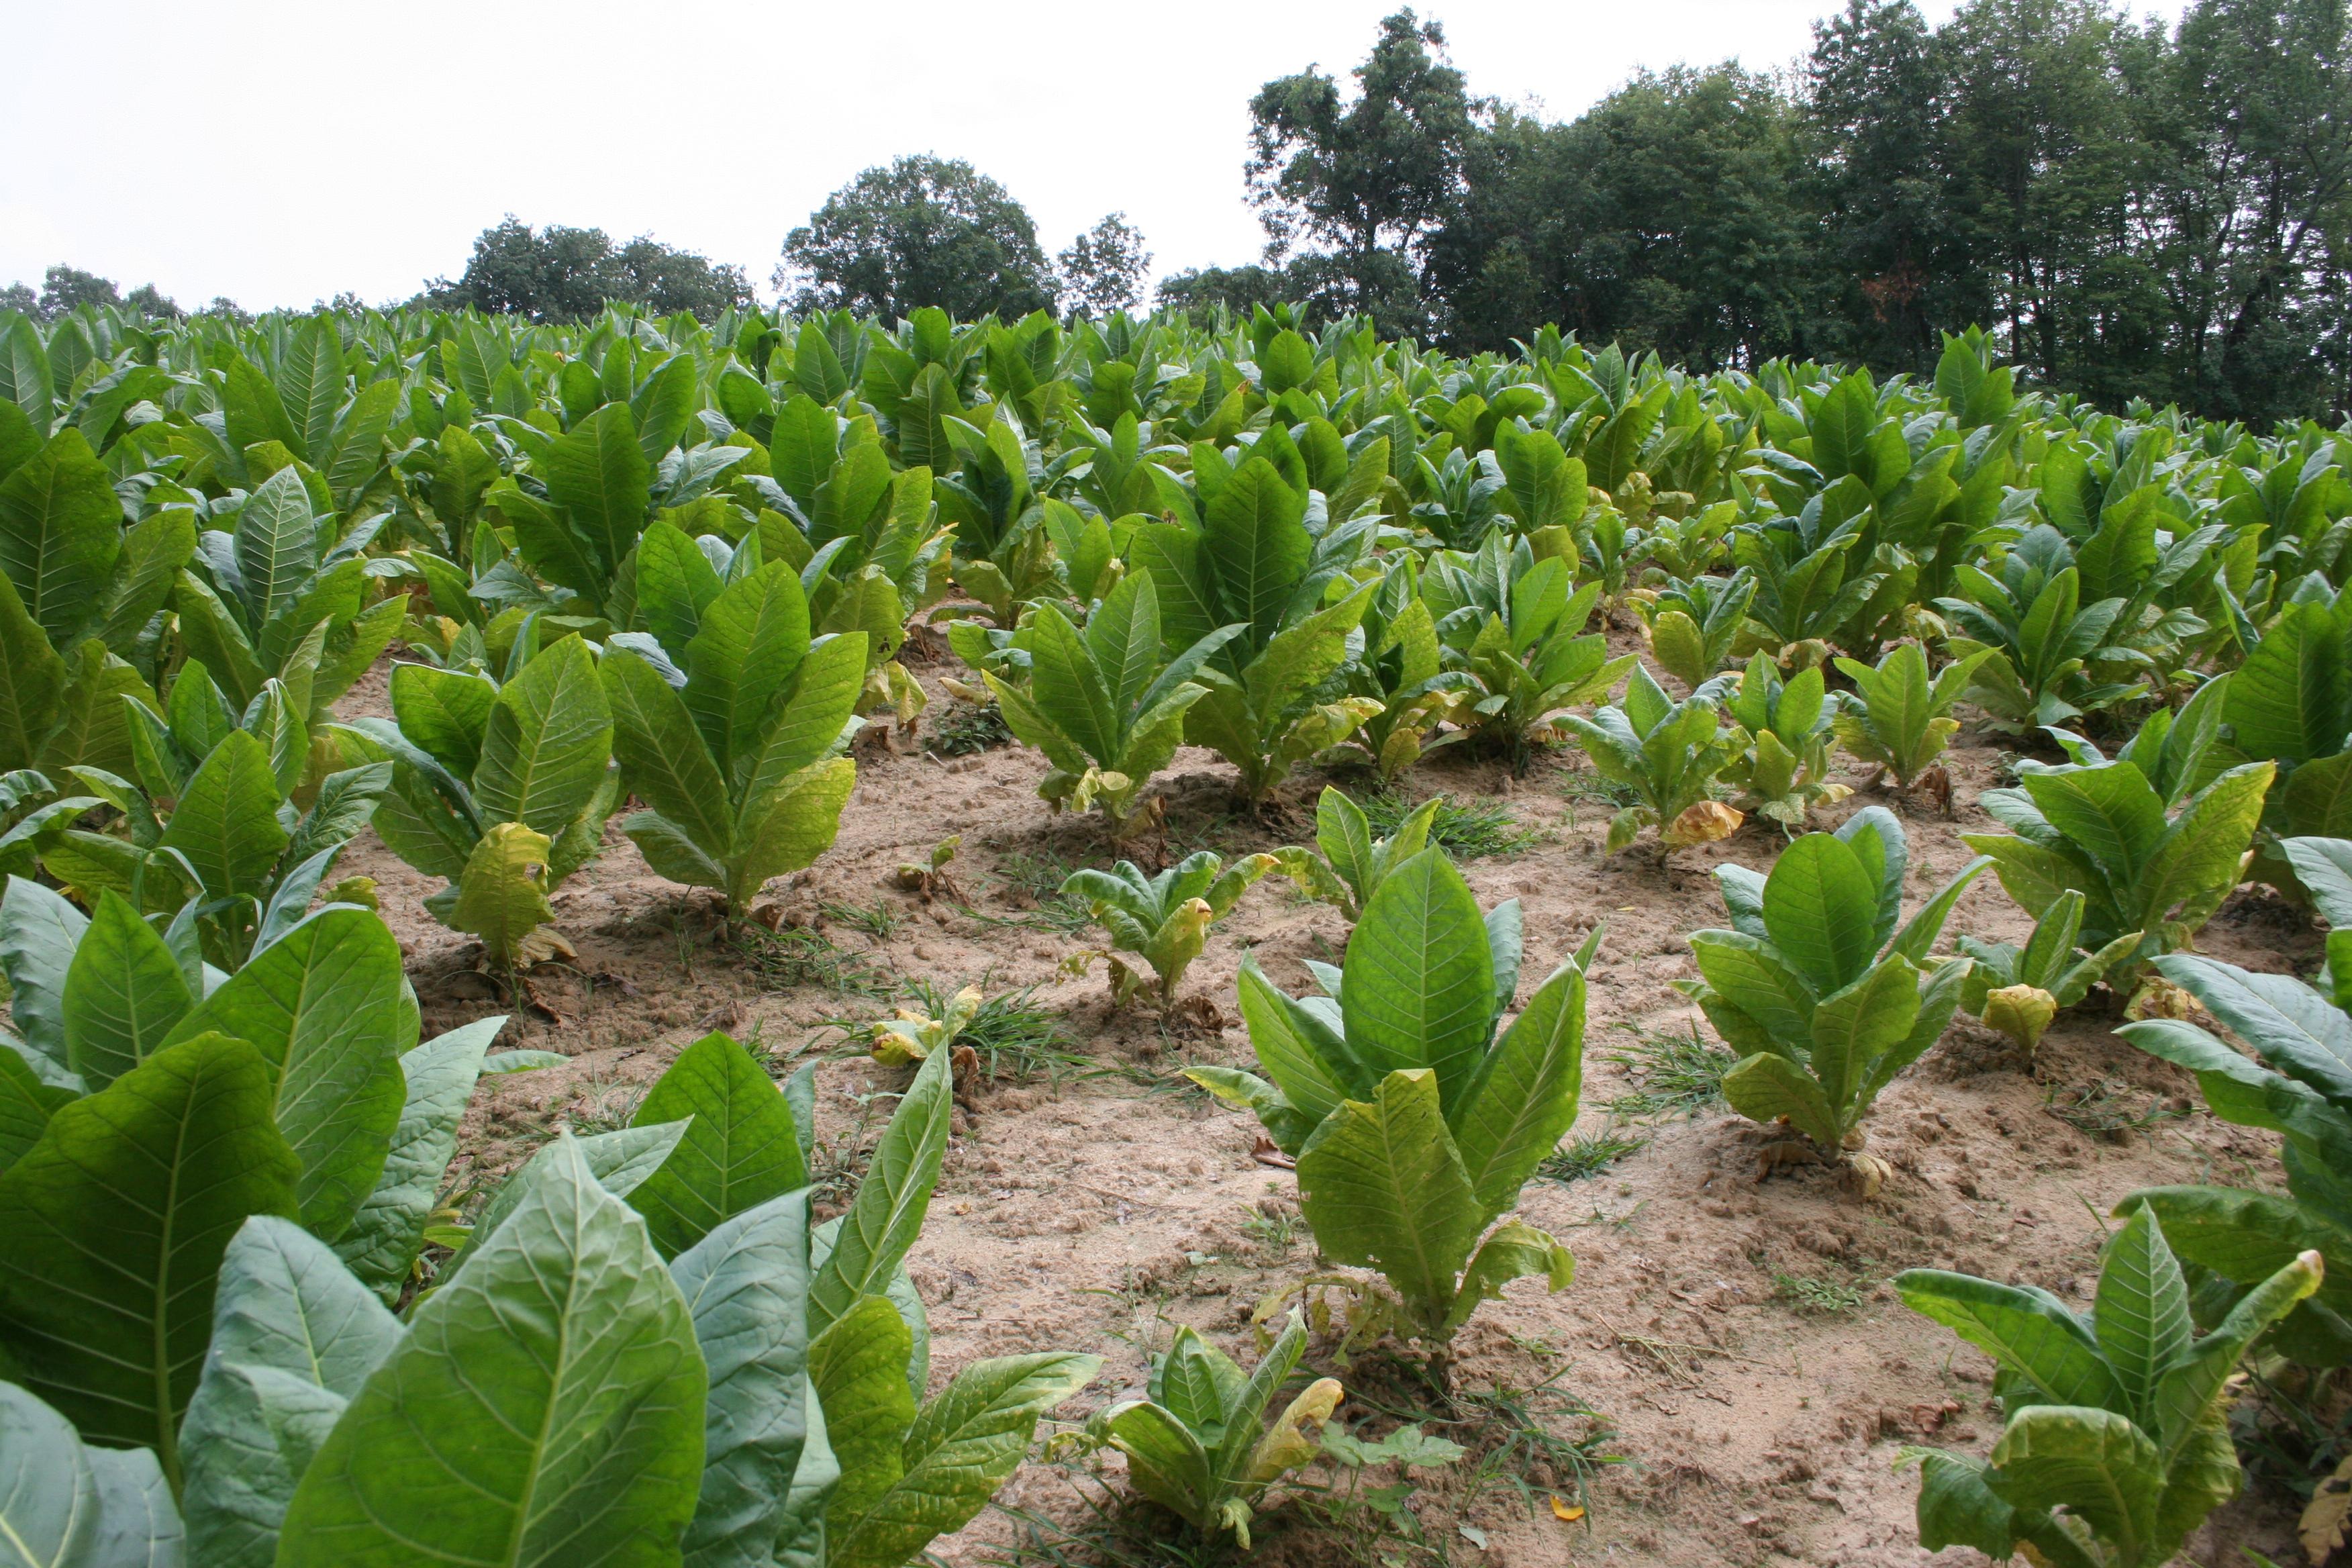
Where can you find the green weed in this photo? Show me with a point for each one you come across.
(963, 728)
(794, 956)
(1472, 831)
(1590, 1153)
(1673, 1074)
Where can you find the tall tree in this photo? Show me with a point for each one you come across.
(1664, 216)
(925, 230)
(1370, 179)
(1104, 268)
(1893, 264)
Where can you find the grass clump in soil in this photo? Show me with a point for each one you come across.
(1015, 1039)
(1588, 1155)
(794, 956)
(1673, 1074)
(1476, 830)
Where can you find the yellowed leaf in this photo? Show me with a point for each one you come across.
(1567, 1513)
(1705, 823)
(2328, 1520)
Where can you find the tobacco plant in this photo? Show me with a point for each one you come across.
(284, 595)
(1105, 705)
(2297, 1083)
(1274, 698)
(1780, 740)
(1896, 719)
(1401, 667)
(2114, 1446)
(1692, 625)
(1347, 864)
(1163, 919)
(2018, 991)
(1667, 754)
(1196, 1443)
(1820, 985)
(1414, 1125)
(2053, 651)
(2103, 829)
(502, 789)
(737, 759)
(1514, 632)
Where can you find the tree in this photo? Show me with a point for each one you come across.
(1893, 264)
(1377, 174)
(1664, 216)
(1103, 270)
(926, 230)
(560, 273)
(1240, 290)
(65, 289)
(152, 303)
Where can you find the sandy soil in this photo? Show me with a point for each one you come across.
(1738, 1336)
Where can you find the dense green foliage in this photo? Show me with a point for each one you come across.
(678, 561)
(2138, 210)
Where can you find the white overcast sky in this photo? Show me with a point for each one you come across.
(277, 152)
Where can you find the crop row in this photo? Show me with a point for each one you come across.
(644, 560)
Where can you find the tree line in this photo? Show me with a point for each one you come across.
(2138, 211)
(2135, 211)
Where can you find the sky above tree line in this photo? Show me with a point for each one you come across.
(277, 152)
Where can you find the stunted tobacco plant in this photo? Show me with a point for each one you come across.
(500, 788)
(1667, 754)
(1413, 1124)
(1163, 919)
(1103, 705)
(1348, 865)
(2018, 991)
(1197, 1443)
(1822, 986)
(1694, 625)
(1780, 757)
(1896, 719)
(2113, 1448)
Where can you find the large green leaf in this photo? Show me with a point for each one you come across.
(739, 1149)
(1420, 977)
(443, 712)
(1384, 1188)
(287, 1306)
(808, 724)
(277, 547)
(50, 1503)
(2142, 1311)
(1525, 1098)
(2028, 1330)
(39, 931)
(1821, 910)
(545, 1409)
(1254, 531)
(2094, 1463)
(962, 1445)
(382, 1240)
(545, 743)
(2195, 865)
(857, 1363)
(124, 994)
(113, 1228)
(598, 473)
(887, 1214)
(787, 826)
(25, 1106)
(60, 533)
(310, 382)
(226, 822)
(331, 1013)
(32, 683)
(2112, 813)
(745, 1286)
(753, 638)
(662, 753)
